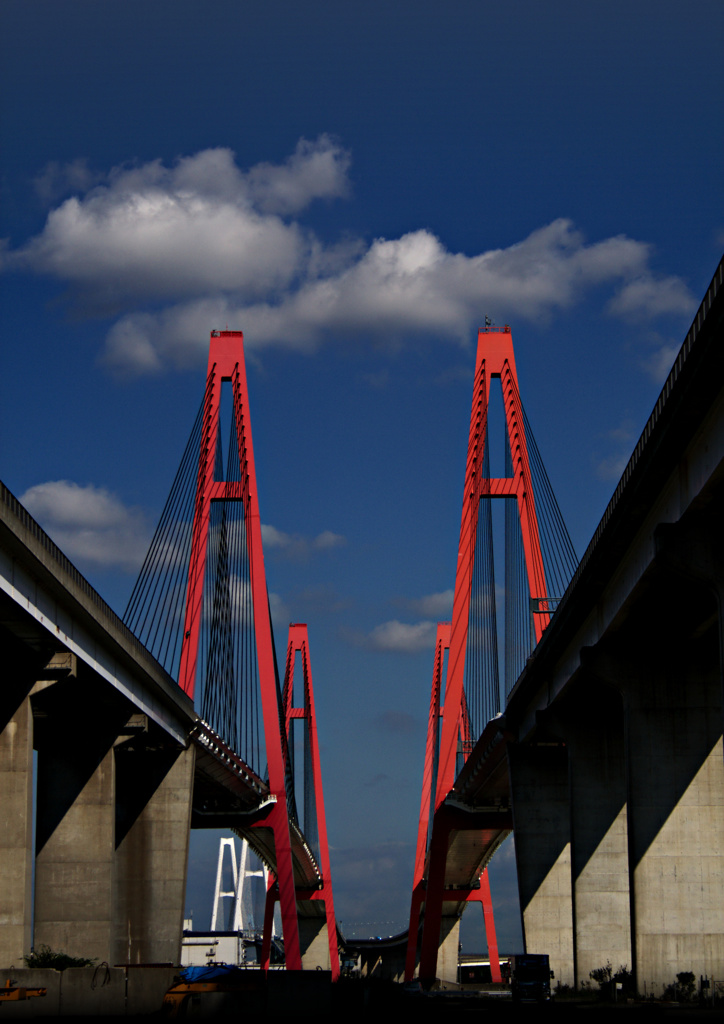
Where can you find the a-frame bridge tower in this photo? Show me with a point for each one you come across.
(453, 846)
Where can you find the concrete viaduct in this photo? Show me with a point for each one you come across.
(117, 761)
(609, 753)
(607, 763)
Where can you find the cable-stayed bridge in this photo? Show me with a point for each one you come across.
(175, 717)
(468, 688)
(201, 606)
(606, 762)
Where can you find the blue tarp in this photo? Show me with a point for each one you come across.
(214, 972)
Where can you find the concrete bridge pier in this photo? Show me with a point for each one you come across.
(16, 815)
(541, 824)
(154, 784)
(314, 944)
(676, 799)
(591, 722)
(112, 818)
(666, 662)
(447, 954)
(75, 816)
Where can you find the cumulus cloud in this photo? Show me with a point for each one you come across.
(403, 637)
(175, 251)
(200, 227)
(273, 538)
(89, 524)
(646, 297)
(658, 364)
(326, 540)
(610, 467)
(280, 614)
(58, 179)
(621, 439)
(297, 547)
(434, 606)
(412, 286)
(146, 236)
(316, 170)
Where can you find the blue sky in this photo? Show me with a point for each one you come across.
(355, 186)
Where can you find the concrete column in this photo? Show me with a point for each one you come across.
(539, 789)
(152, 824)
(676, 796)
(592, 723)
(75, 847)
(16, 831)
(314, 943)
(447, 955)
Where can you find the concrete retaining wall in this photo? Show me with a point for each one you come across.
(89, 991)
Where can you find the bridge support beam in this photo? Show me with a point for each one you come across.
(599, 828)
(75, 846)
(541, 816)
(314, 944)
(112, 821)
(598, 822)
(16, 830)
(448, 948)
(153, 815)
(676, 770)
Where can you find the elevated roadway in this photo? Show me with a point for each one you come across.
(123, 768)
(608, 760)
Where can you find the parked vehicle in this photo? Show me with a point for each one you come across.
(530, 977)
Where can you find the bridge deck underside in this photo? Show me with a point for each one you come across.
(227, 794)
(469, 851)
(610, 744)
(41, 656)
(479, 806)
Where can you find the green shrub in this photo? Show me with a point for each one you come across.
(684, 988)
(44, 956)
(602, 975)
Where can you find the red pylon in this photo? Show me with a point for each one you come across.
(481, 894)
(226, 363)
(494, 358)
(299, 644)
(442, 644)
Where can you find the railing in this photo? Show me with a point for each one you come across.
(20, 513)
(652, 423)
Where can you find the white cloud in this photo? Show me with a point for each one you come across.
(437, 606)
(90, 524)
(316, 170)
(408, 286)
(646, 297)
(611, 466)
(402, 637)
(280, 615)
(658, 364)
(200, 227)
(59, 179)
(297, 547)
(326, 540)
(621, 439)
(176, 251)
(370, 877)
(273, 538)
